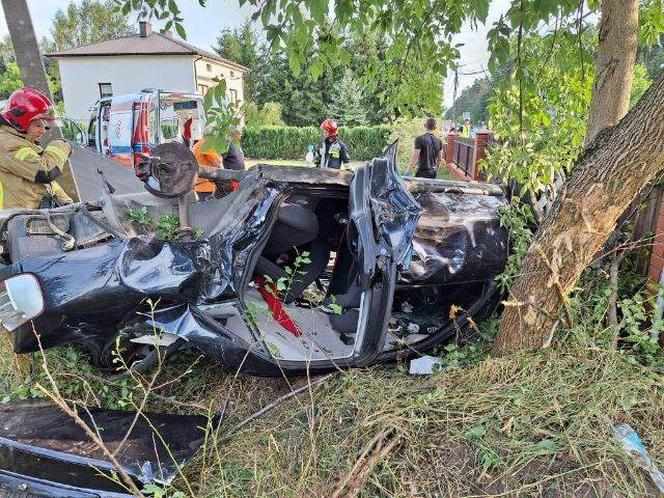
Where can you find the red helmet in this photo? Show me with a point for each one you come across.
(330, 127)
(26, 105)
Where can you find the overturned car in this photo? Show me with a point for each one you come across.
(297, 269)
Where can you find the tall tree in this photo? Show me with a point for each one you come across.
(605, 180)
(616, 56)
(347, 104)
(241, 45)
(474, 100)
(89, 21)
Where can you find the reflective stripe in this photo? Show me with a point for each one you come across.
(57, 152)
(25, 152)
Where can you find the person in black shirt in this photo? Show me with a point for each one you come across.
(427, 153)
(332, 152)
(233, 158)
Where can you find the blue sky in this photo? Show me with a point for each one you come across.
(203, 25)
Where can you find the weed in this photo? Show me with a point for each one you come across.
(167, 227)
(517, 218)
(140, 217)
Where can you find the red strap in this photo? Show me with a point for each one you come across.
(269, 291)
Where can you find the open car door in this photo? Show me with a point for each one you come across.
(383, 219)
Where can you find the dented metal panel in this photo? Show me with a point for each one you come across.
(40, 441)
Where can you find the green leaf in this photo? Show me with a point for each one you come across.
(181, 31)
(317, 68)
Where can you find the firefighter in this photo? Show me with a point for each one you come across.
(27, 172)
(332, 152)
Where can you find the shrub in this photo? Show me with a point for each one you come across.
(290, 142)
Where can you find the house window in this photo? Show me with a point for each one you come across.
(232, 74)
(202, 89)
(208, 68)
(233, 96)
(105, 90)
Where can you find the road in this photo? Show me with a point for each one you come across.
(85, 164)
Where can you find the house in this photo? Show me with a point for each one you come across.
(145, 60)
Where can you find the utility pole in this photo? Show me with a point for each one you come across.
(454, 94)
(28, 58)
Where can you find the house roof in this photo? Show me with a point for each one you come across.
(153, 44)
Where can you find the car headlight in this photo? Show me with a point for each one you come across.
(23, 301)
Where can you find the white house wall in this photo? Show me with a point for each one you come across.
(127, 74)
(207, 69)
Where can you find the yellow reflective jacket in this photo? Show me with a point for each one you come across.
(20, 163)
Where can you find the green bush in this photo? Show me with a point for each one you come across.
(290, 142)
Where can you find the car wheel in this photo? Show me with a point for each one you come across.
(139, 358)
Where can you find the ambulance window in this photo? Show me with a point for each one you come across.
(105, 90)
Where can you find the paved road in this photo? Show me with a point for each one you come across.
(85, 164)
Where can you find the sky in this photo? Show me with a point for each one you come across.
(203, 25)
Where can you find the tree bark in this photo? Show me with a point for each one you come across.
(609, 174)
(28, 58)
(614, 65)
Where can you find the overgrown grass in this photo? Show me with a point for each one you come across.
(536, 425)
(529, 425)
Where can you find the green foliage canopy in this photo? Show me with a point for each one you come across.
(89, 21)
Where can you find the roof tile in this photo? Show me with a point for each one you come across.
(154, 44)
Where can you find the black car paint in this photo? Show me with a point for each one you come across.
(40, 441)
(93, 292)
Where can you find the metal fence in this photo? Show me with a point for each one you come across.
(464, 154)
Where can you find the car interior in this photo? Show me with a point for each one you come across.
(304, 297)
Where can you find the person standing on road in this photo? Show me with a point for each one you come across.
(332, 153)
(27, 172)
(427, 153)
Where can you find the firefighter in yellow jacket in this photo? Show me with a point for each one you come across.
(27, 172)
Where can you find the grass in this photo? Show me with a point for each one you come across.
(535, 425)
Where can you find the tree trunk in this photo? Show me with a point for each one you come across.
(616, 56)
(28, 58)
(610, 173)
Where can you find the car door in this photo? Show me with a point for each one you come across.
(383, 219)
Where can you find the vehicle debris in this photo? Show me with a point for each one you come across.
(425, 365)
(44, 453)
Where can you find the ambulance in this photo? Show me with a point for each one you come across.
(125, 127)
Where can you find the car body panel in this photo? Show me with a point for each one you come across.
(40, 441)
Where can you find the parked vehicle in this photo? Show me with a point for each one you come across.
(126, 126)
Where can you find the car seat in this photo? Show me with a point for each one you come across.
(296, 227)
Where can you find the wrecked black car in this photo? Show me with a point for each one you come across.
(297, 269)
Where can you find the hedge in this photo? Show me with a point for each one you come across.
(290, 142)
